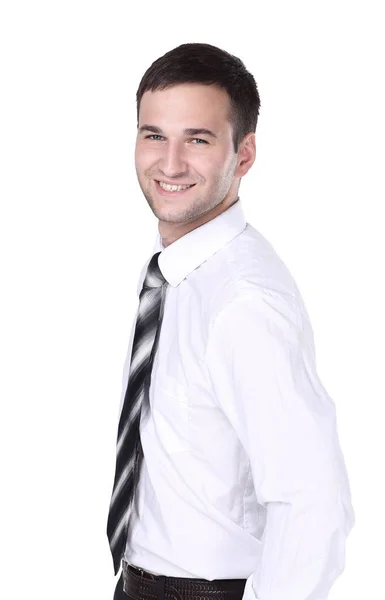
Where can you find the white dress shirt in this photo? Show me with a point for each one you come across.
(243, 475)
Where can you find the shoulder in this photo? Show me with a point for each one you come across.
(247, 276)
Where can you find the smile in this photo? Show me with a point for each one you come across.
(174, 188)
(172, 191)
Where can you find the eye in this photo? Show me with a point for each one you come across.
(152, 137)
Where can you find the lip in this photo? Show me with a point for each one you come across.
(163, 192)
(173, 182)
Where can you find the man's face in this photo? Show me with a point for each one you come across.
(166, 152)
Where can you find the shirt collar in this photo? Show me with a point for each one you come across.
(191, 250)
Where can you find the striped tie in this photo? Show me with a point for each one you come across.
(129, 451)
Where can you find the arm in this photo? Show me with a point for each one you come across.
(260, 357)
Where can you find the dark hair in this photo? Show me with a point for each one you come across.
(208, 65)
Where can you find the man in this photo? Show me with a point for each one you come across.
(230, 481)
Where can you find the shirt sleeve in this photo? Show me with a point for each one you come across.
(261, 360)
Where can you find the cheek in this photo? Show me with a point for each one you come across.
(207, 165)
(137, 158)
(145, 158)
(215, 167)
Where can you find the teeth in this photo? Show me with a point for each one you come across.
(173, 188)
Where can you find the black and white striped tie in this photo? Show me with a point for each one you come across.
(129, 452)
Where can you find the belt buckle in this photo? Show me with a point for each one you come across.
(141, 571)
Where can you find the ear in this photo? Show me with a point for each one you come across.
(246, 154)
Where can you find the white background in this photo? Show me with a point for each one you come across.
(75, 231)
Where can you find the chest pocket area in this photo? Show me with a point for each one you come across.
(170, 408)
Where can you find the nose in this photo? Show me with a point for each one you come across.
(172, 163)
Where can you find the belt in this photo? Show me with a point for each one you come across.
(141, 585)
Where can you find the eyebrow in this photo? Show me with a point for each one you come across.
(188, 131)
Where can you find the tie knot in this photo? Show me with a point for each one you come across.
(154, 277)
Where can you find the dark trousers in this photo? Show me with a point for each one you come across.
(119, 594)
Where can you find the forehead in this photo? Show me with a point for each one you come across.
(187, 104)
